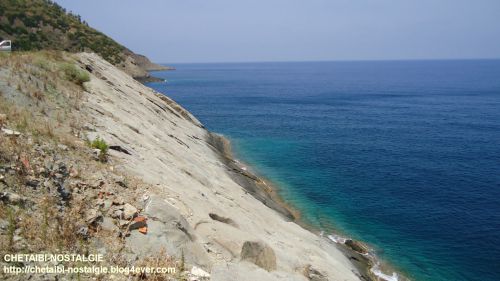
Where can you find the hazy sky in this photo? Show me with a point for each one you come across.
(172, 31)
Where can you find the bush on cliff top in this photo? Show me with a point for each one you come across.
(44, 25)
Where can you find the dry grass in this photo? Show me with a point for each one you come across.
(44, 222)
(161, 260)
(50, 229)
(39, 101)
(7, 241)
(26, 120)
(12, 152)
(49, 89)
(47, 74)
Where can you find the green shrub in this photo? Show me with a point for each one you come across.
(103, 148)
(75, 74)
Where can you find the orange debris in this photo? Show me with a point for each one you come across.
(143, 230)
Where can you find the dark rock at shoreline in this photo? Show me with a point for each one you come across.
(148, 79)
(357, 246)
(251, 183)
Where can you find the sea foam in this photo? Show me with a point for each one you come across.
(377, 272)
(375, 269)
(337, 238)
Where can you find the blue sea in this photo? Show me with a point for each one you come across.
(404, 155)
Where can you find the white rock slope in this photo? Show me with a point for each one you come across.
(197, 208)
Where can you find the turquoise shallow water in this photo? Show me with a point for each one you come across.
(404, 155)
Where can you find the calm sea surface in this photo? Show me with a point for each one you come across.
(403, 155)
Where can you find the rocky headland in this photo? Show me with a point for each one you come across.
(91, 160)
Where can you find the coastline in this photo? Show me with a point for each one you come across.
(194, 203)
(148, 79)
(359, 253)
(179, 164)
(181, 171)
(153, 67)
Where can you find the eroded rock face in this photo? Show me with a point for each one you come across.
(186, 169)
(260, 254)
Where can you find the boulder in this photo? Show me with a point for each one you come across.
(129, 211)
(260, 254)
(108, 224)
(313, 274)
(92, 216)
(198, 273)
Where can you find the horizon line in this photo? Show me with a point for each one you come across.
(330, 60)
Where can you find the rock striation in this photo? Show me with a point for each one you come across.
(102, 163)
(202, 205)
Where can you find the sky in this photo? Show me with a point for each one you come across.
(175, 31)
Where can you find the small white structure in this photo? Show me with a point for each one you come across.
(5, 46)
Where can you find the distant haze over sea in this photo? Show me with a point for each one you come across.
(286, 30)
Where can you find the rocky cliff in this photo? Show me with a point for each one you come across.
(140, 177)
